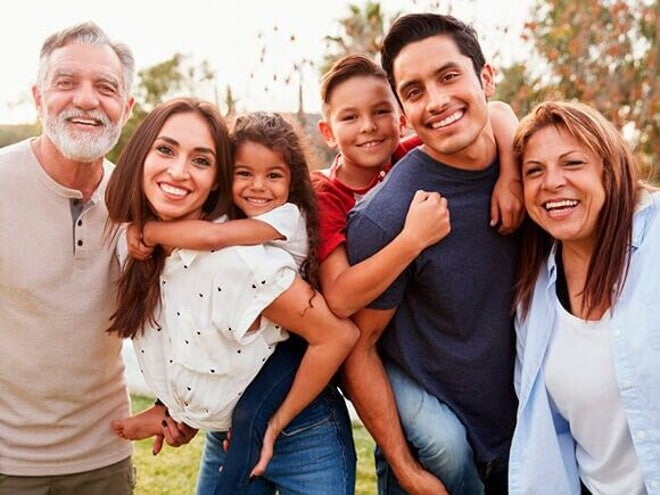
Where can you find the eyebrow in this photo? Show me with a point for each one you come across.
(442, 68)
(563, 155)
(199, 149)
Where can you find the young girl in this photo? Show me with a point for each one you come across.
(272, 198)
(196, 321)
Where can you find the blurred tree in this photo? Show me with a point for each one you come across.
(10, 134)
(230, 102)
(174, 76)
(361, 31)
(601, 52)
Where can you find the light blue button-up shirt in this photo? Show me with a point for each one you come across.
(542, 459)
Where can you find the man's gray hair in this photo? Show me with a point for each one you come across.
(87, 33)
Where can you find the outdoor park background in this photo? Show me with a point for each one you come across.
(252, 55)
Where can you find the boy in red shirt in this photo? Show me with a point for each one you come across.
(362, 120)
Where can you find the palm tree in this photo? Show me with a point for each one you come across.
(361, 32)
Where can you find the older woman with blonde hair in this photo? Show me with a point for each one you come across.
(588, 311)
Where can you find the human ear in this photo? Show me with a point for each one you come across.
(326, 133)
(36, 97)
(403, 125)
(488, 80)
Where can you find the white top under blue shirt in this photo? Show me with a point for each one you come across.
(543, 451)
(200, 357)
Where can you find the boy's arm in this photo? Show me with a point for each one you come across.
(348, 289)
(506, 204)
(367, 386)
(203, 235)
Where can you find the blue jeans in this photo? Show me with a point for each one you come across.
(313, 454)
(436, 436)
(250, 418)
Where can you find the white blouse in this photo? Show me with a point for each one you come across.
(290, 222)
(200, 357)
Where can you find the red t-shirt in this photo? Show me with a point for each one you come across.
(336, 199)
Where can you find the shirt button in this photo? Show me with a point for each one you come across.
(654, 484)
(627, 383)
(617, 332)
(80, 243)
(640, 435)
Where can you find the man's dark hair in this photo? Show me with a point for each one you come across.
(417, 27)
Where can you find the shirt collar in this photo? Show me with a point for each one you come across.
(642, 214)
(180, 259)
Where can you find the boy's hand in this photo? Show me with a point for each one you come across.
(427, 221)
(136, 247)
(507, 207)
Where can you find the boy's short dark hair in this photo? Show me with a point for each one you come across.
(346, 68)
(417, 27)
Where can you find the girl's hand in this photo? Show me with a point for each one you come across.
(271, 434)
(136, 247)
(506, 204)
(176, 433)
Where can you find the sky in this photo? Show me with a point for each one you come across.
(230, 35)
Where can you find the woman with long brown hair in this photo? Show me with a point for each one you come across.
(588, 359)
(205, 322)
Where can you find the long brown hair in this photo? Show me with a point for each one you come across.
(276, 133)
(607, 271)
(138, 294)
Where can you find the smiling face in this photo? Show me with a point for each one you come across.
(563, 187)
(180, 169)
(443, 98)
(82, 102)
(261, 179)
(363, 122)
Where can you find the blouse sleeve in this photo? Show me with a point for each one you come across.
(244, 288)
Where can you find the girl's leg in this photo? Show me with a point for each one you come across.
(315, 453)
(211, 468)
(252, 413)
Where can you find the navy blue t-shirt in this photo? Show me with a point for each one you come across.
(452, 331)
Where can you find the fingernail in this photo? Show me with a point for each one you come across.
(164, 423)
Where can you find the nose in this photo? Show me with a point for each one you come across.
(438, 99)
(257, 182)
(178, 169)
(86, 97)
(553, 178)
(368, 124)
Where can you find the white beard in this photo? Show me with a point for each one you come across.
(82, 146)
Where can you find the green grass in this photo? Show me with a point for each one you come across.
(174, 471)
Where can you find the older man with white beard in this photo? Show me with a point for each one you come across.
(61, 375)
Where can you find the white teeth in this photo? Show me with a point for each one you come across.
(564, 203)
(84, 121)
(258, 201)
(176, 191)
(369, 144)
(449, 120)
